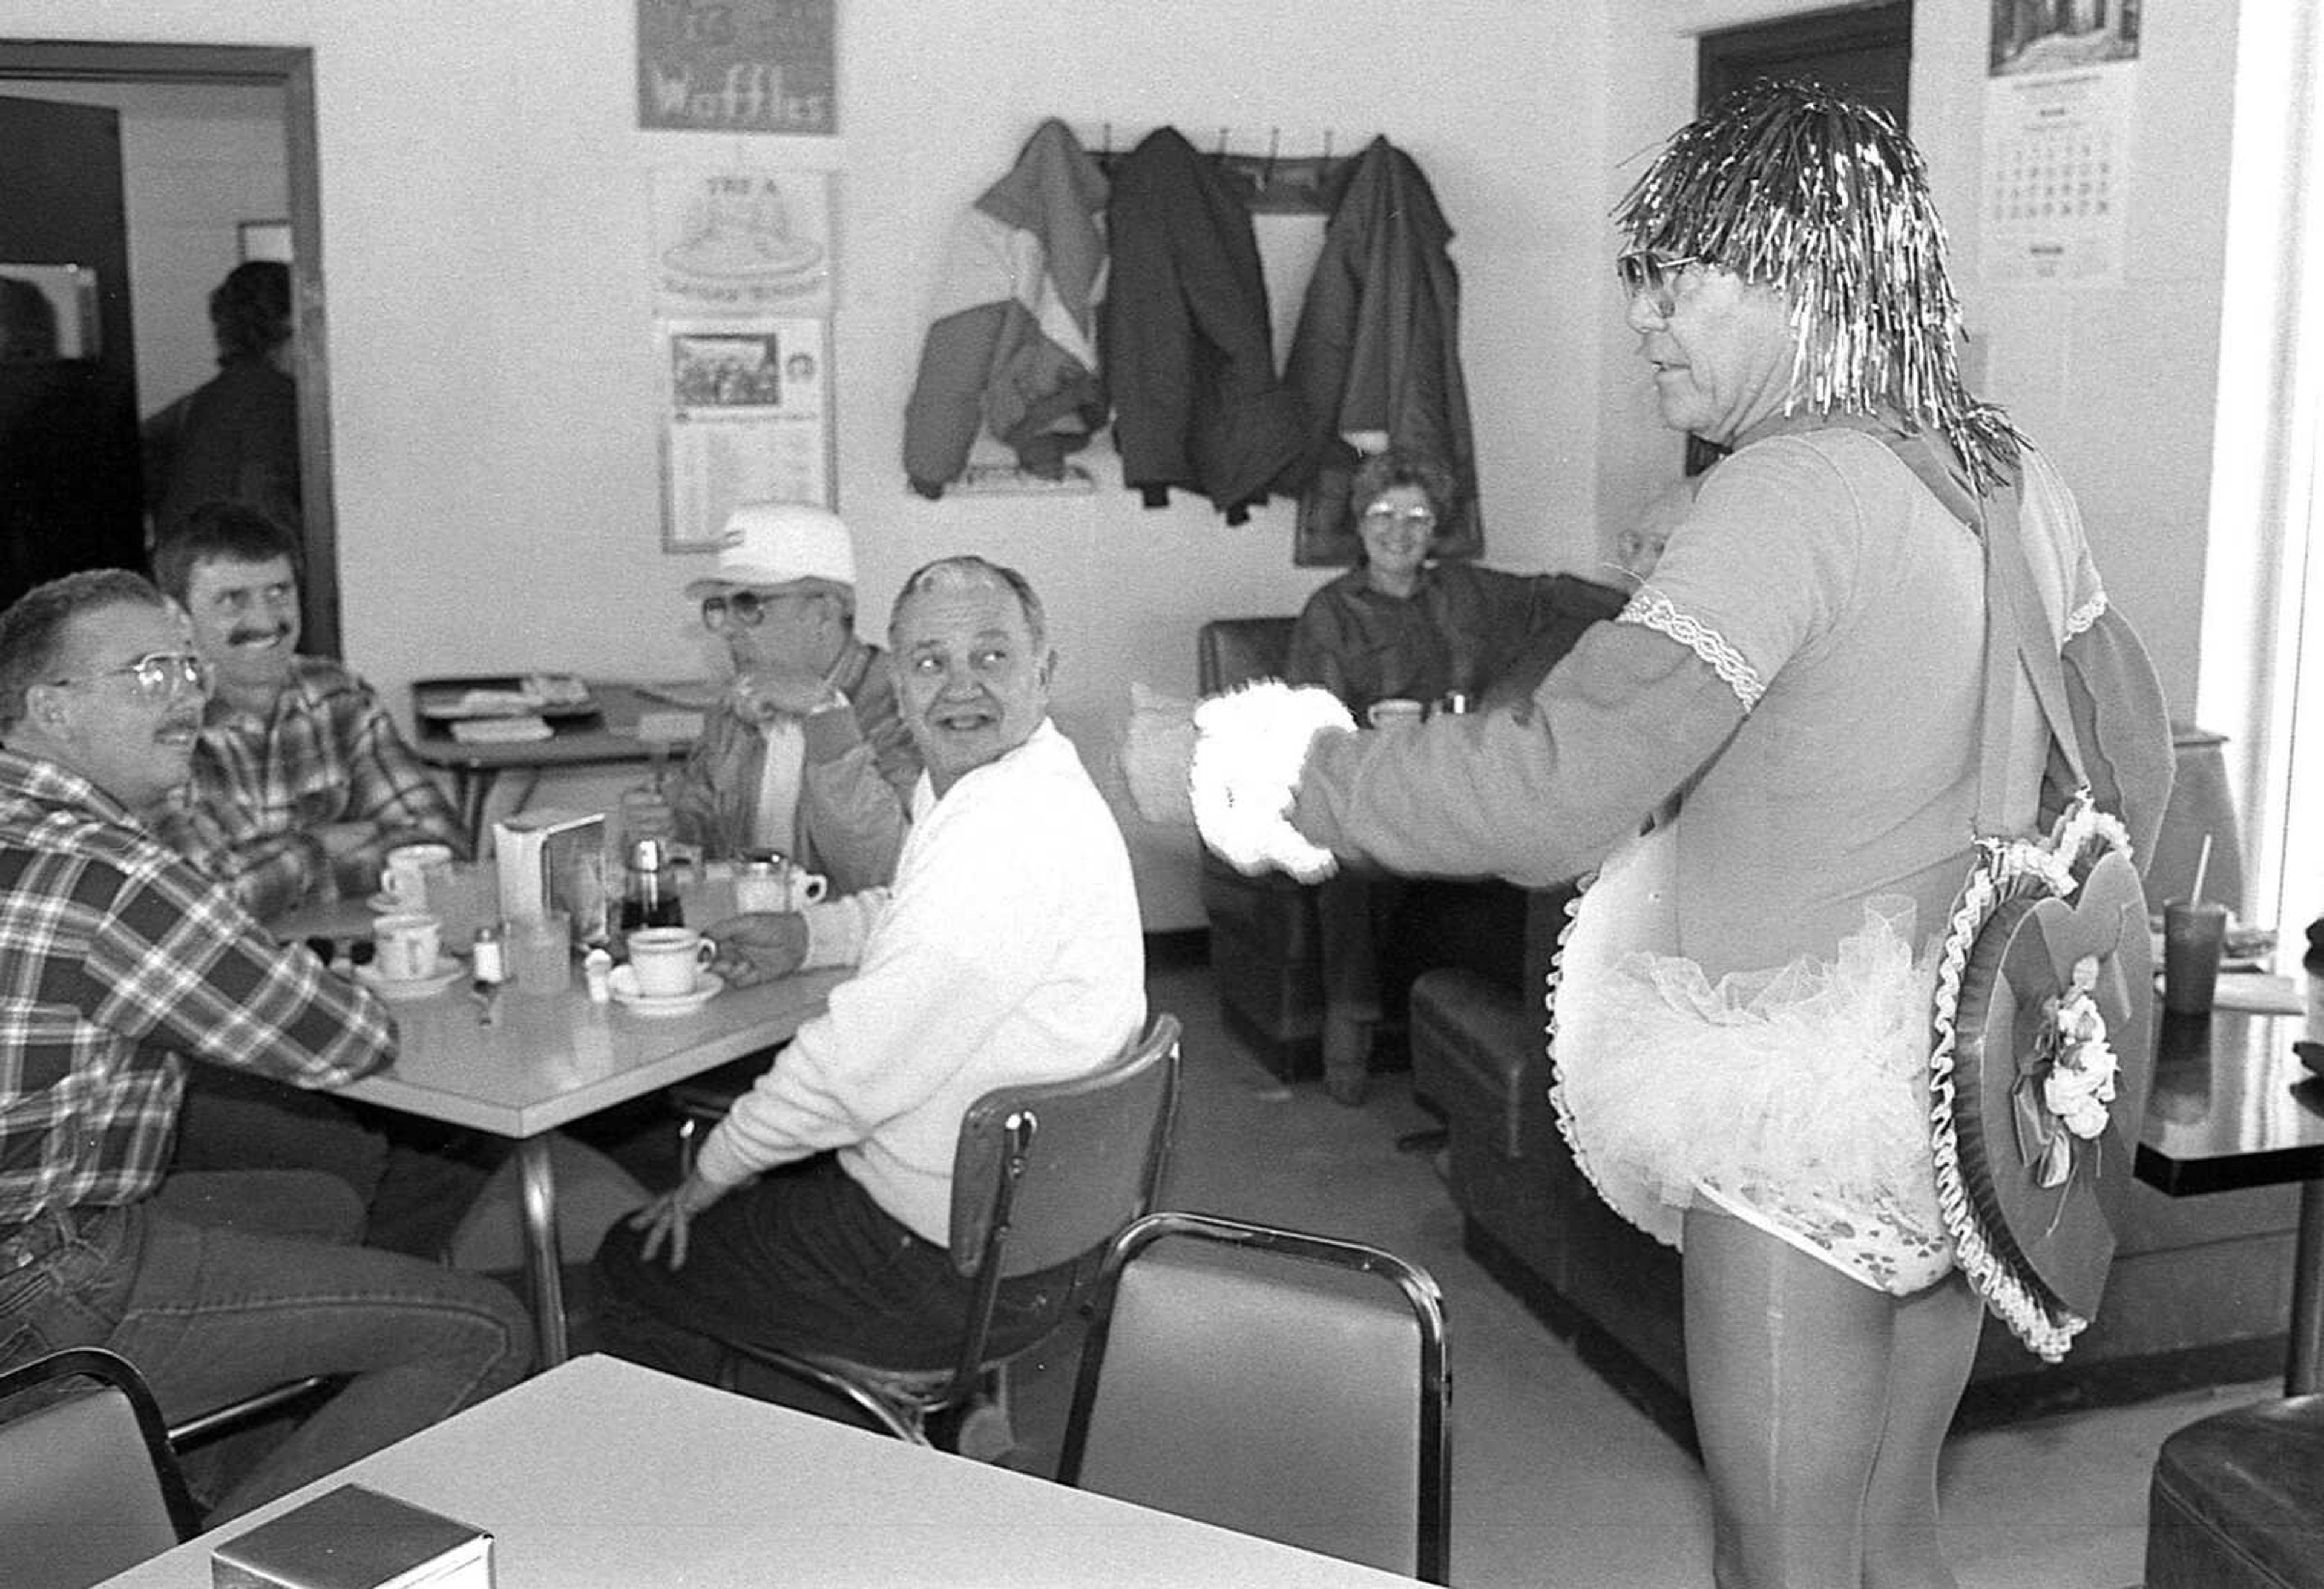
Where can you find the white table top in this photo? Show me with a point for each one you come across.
(545, 1062)
(601, 1472)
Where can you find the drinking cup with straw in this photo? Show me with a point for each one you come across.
(2194, 933)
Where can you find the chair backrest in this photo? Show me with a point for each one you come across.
(1230, 651)
(89, 1485)
(1044, 1172)
(1272, 1381)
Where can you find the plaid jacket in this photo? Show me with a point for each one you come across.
(327, 753)
(117, 961)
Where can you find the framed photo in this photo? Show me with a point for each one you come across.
(737, 66)
(264, 240)
(746, 417)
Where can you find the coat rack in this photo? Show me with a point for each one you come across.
(1273, 183)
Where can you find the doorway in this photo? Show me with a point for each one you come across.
(290, 73)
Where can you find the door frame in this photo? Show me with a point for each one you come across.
(290, 69)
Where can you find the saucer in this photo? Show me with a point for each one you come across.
(707, 986)
(447, 972)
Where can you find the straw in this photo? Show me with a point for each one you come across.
(2202, 865)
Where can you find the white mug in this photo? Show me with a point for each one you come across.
(1397, 713)
(408, 944)
(772, 882)
(404, 879)
(668, 962)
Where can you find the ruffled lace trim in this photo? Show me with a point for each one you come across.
(1656, 611)
(2085, 615)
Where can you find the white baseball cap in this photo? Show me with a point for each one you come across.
(770, 544)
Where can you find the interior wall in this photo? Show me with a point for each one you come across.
(486, 256)
(197, 159)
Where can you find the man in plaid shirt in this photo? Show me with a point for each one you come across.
(302, 783)
(119, 961)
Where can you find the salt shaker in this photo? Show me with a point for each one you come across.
(598, 973)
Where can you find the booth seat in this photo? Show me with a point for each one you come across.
(2199, 1293)
(1266, 951)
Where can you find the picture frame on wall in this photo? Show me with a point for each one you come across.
(738, 66)
(746, 417)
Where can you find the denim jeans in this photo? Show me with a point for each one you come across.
(223, 1284)
(415, 1178)
(802, 1259)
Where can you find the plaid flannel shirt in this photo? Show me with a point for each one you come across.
(117, 961)
(328, 752)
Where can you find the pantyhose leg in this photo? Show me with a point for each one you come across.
(1802, 1397)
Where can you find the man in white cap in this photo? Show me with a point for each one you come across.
(805, 753)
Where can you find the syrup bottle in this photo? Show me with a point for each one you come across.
(649, 890)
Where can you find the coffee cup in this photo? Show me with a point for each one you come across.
(408, 944)
(668, 962)
(769, 882)
(1395, 714)
(404, 879)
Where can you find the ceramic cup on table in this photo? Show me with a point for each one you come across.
(408, 944)
(405, 877)
(1395, 714)
(772, 882)
(668, 962)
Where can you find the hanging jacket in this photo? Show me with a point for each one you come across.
(1378, 347)
(1189, 355)
(1012, 344)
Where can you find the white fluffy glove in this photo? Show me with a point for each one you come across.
(1249, 749)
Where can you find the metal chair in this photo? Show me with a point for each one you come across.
(1268, 1381)
(89, 1484)
(1042, 1174)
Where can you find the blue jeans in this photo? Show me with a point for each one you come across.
(803, 1260)
(223, 1284)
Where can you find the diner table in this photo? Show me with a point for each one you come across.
(613, 732)
(2232, 1106)
(545, 1061)
(602, 1473)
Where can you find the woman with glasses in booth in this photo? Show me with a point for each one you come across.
(1403, 633)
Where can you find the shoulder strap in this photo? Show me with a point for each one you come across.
(2016, 637)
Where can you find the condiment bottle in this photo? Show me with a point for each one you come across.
(649, 891)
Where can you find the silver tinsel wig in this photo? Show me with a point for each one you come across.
(1821, 196)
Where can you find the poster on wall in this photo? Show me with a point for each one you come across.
(2060, 77)
(741, 243)
(747, 417)
(737, 66)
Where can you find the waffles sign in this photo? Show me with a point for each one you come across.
(736, 66)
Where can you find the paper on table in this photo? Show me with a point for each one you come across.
(2258, 992)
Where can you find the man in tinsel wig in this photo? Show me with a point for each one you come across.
(1791, 706)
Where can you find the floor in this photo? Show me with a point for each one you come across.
(1557, 1480)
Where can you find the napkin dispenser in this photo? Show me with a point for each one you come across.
(535, 852)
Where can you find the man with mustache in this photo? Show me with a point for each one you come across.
(125, 963)
(302, 783)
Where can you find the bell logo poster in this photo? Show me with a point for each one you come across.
(737, 66)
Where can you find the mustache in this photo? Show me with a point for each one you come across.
(247, 632)
(188, 722)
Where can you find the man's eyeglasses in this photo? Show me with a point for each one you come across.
(1382, 517)
(155, 677)
(1654, 274)
(742, 610)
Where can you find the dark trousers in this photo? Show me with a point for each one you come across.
(803, 1260)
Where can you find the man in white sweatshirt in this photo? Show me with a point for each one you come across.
(1007, 951)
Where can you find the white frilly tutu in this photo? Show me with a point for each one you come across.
(1794, 1096)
